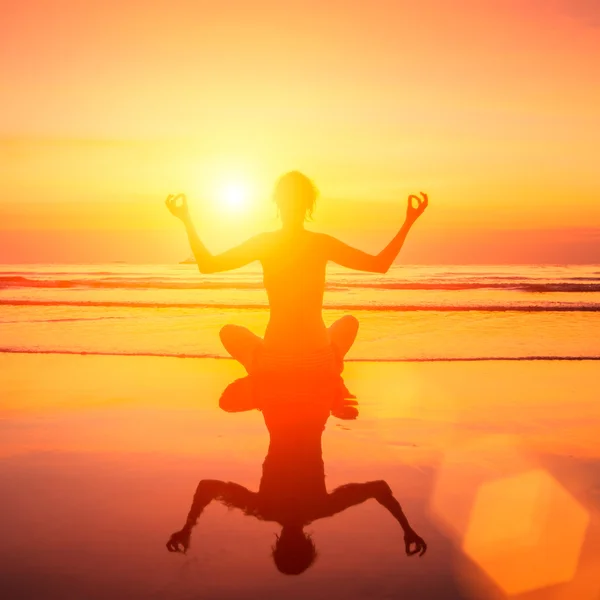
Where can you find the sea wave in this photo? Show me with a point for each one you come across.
(572, 307)
(15, 350)
(574, 284)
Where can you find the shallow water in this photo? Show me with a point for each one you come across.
(410, 313)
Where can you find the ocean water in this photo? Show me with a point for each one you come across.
(103, 455)
(410, 313)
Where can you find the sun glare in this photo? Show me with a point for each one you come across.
(234, 197)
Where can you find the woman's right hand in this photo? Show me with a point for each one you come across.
(412, 539)
(179, 210)
(414, 212)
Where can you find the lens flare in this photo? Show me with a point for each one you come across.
(235, 196)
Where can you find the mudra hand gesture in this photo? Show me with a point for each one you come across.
(179, 541)
(414, 212)
(178, 209)
(414, 544)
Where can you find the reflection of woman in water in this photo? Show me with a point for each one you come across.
(293, 261)
(292, 492)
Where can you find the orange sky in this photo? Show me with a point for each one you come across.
(491, 107)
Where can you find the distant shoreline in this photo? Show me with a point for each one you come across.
(348, 360)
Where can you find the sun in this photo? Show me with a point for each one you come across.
(234, 196)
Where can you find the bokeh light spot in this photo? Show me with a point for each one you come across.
(526, 532)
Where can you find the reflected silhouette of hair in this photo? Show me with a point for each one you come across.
(296, 190)
(293, 554)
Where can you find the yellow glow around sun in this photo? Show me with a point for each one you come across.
(234, 196)
(228, 191)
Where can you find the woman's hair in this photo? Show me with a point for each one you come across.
(293, 555)
(297, 188)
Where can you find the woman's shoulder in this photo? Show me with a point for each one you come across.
(267, 240)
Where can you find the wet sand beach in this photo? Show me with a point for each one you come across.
(100, 456)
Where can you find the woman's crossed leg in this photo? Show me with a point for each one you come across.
(243, 345)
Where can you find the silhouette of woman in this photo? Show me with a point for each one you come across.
(294, 266)
(292, 492)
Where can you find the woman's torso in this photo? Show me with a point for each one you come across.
(292, 487)
(294, 267)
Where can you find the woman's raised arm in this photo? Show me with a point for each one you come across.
(352, 258)
(352, 494)
(234, 258)
(231, 494)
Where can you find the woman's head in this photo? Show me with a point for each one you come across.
(295, 195)
(294, 551)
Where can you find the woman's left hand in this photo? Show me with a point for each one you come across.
(181, 210)
(179, 541)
